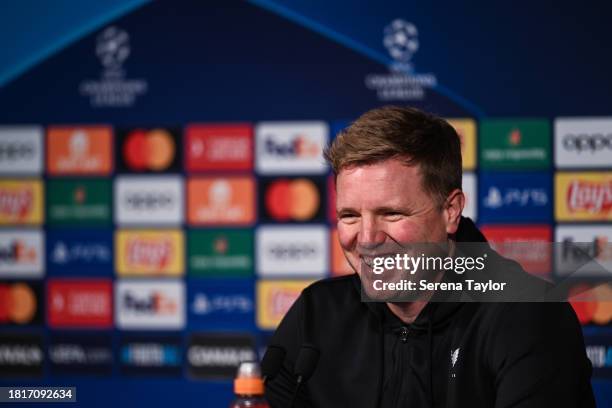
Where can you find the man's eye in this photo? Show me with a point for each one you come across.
(393, 214)
(347, 217)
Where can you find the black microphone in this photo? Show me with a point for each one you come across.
(272, 362)
(306, 362)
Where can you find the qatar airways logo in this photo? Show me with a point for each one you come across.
(291, 147)
(149, 253)
(591, 197)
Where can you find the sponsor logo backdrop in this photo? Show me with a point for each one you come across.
(158, 220)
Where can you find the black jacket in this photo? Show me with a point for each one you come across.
(454, 355)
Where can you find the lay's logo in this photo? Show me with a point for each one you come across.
(274, 298)
(21, 202)
(149, 253)
(591, 197)
(583, 196)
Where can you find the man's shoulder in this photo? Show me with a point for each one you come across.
(335, 288)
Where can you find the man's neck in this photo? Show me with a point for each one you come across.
(407, 312)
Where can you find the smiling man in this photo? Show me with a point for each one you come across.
(398, 185)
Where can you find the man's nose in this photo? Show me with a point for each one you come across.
(370, 232)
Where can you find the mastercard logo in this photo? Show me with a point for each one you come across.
(17, 303)
(298, 199)
(152, 150)
(597, 311)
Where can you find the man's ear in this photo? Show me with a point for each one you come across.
(453, 206)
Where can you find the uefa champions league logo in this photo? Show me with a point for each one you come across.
(402, 82)
(113, 47)
(113, 88)
(401, 40)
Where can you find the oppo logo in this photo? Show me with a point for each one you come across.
(149, 201)
(294, 251)
(587, 142)
(16, 151)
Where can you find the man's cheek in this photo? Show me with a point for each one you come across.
(405, 231)
(346, 235)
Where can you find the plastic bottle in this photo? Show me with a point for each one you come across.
(249, 387)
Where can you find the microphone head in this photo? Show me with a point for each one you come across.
(272, 361)
(306, 362)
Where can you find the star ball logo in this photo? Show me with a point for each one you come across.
(113, 47)
(401, 40)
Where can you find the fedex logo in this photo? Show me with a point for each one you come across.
(300, 146)
(291, 147)
(150, 304)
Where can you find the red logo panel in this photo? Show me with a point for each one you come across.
(80, 303)
(528, 245)
(218, 147)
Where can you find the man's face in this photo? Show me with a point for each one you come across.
(383, 205)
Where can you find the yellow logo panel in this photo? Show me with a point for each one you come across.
(584, 196)
(149, 253)
(21, 202)
(274, 298)
(466, 128)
